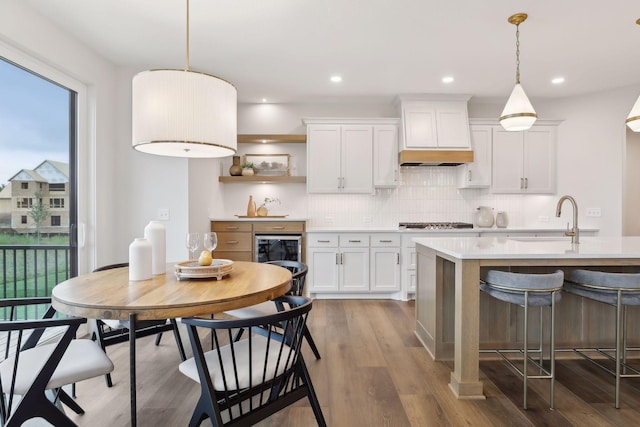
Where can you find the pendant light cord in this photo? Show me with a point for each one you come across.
(187, 60)
(517, 53)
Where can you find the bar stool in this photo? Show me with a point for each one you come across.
(619, 290)
(528, 290)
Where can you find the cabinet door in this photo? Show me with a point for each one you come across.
(385, 269)
(385, 156)
(507, 153)
(357, 159)
(323, 270)
(354, 269)
(539, 167)
(478, 173)
(452, 125)
(419, 126)
(323, 159)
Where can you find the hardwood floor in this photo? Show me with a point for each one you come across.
(373, 372)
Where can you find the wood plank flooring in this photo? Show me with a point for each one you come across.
(373, 372)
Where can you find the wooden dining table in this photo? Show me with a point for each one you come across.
(110, 294)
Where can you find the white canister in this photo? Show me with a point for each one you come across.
(502, 220)
(156, 234)
(484, 216)
(140, 259)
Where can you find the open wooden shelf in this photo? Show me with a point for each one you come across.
(272, 138)
(255, 178)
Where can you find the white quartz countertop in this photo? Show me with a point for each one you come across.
(447, 232)
(533, 247)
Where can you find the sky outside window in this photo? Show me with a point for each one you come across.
(34, 121)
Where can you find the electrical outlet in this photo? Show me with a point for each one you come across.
(163, 214)
(543, 218)
(594, 212)
(328, 220)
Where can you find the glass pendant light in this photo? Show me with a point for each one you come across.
(518, 114)
(633, 120)
(183, 113)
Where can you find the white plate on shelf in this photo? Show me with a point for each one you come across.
(192, 270)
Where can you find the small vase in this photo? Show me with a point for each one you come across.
(235, 169)
(262, 211)
(502, 220)
(251, 207)
(140, 260)
(247, 172)
(484, 216)
(156, 234)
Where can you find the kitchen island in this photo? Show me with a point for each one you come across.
(452, 316)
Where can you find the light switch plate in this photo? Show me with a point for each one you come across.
(163, 214)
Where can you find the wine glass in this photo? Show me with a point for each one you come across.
(210, 241)
(192, 242)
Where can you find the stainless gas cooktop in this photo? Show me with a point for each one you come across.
(434, 225)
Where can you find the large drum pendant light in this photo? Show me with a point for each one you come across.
(633, 120)
(518, 114)
(183, 113)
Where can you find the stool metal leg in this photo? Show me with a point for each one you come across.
(618, 345)
(526, 346)
(552, 351)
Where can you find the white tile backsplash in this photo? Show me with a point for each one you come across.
(425, 194)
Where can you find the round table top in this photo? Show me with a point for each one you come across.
(110, 295)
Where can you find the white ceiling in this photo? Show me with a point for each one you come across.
(286, 50)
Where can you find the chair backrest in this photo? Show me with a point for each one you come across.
(29, 377)
(111, 266)
(299, 274)
(254, 376)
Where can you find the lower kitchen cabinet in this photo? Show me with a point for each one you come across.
(385, 263)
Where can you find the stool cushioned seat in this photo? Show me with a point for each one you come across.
(604, 280)
(522, 282)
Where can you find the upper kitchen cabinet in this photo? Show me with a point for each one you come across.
(340, 154)
(434, 121)
(477, 174)
(524, 162)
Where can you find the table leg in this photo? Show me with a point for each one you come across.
(465, 381)
(132, 367)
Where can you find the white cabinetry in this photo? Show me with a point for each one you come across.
(438, 123)
(338, 262)
(385, 156)
(385, 262)
(524, 162)
(478, 173)
(344, 154)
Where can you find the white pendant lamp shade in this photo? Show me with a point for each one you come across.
(181, 113)
(633, 121)
(518, 114)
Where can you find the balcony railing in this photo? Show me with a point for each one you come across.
(32, 271)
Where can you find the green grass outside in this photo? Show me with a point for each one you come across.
(31, 272)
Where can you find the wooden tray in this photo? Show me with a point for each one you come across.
(258, 217)
(192, 270)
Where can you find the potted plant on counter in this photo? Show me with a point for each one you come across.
(247, 169)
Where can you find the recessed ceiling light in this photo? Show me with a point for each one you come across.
(447, 79)
(557, 80)
(264, 99)
(336, 79)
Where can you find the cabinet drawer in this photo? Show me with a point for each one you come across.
(354, 240)
(233, 256)
(322, 240)
(230, 226)
(230, 241)
(278, 227)
(384, 240)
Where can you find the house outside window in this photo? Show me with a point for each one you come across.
(25, 202)
(56, 187)
(23, 219)
(56, 203)
(55, 220)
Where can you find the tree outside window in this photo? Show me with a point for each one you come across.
(39, 212)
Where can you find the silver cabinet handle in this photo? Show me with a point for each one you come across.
(323, 241)
(526, 183)
(339, 182)
(469, 175)
(232, 242)
(386, 241)
(277, 228)
(232, 228)
(355, 241)
(522, 183)
(398, 258)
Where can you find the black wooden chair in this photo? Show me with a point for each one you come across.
(299, 274)
(40, 357)
(243, 382)
(109, 331)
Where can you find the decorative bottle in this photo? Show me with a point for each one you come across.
(140, 259)
(235, 169)
(484, 216)
(502, 220)
(156, 234)
(251, 208)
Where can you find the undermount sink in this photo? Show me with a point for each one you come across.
(541, 239)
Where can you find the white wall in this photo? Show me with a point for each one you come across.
(631, 188)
